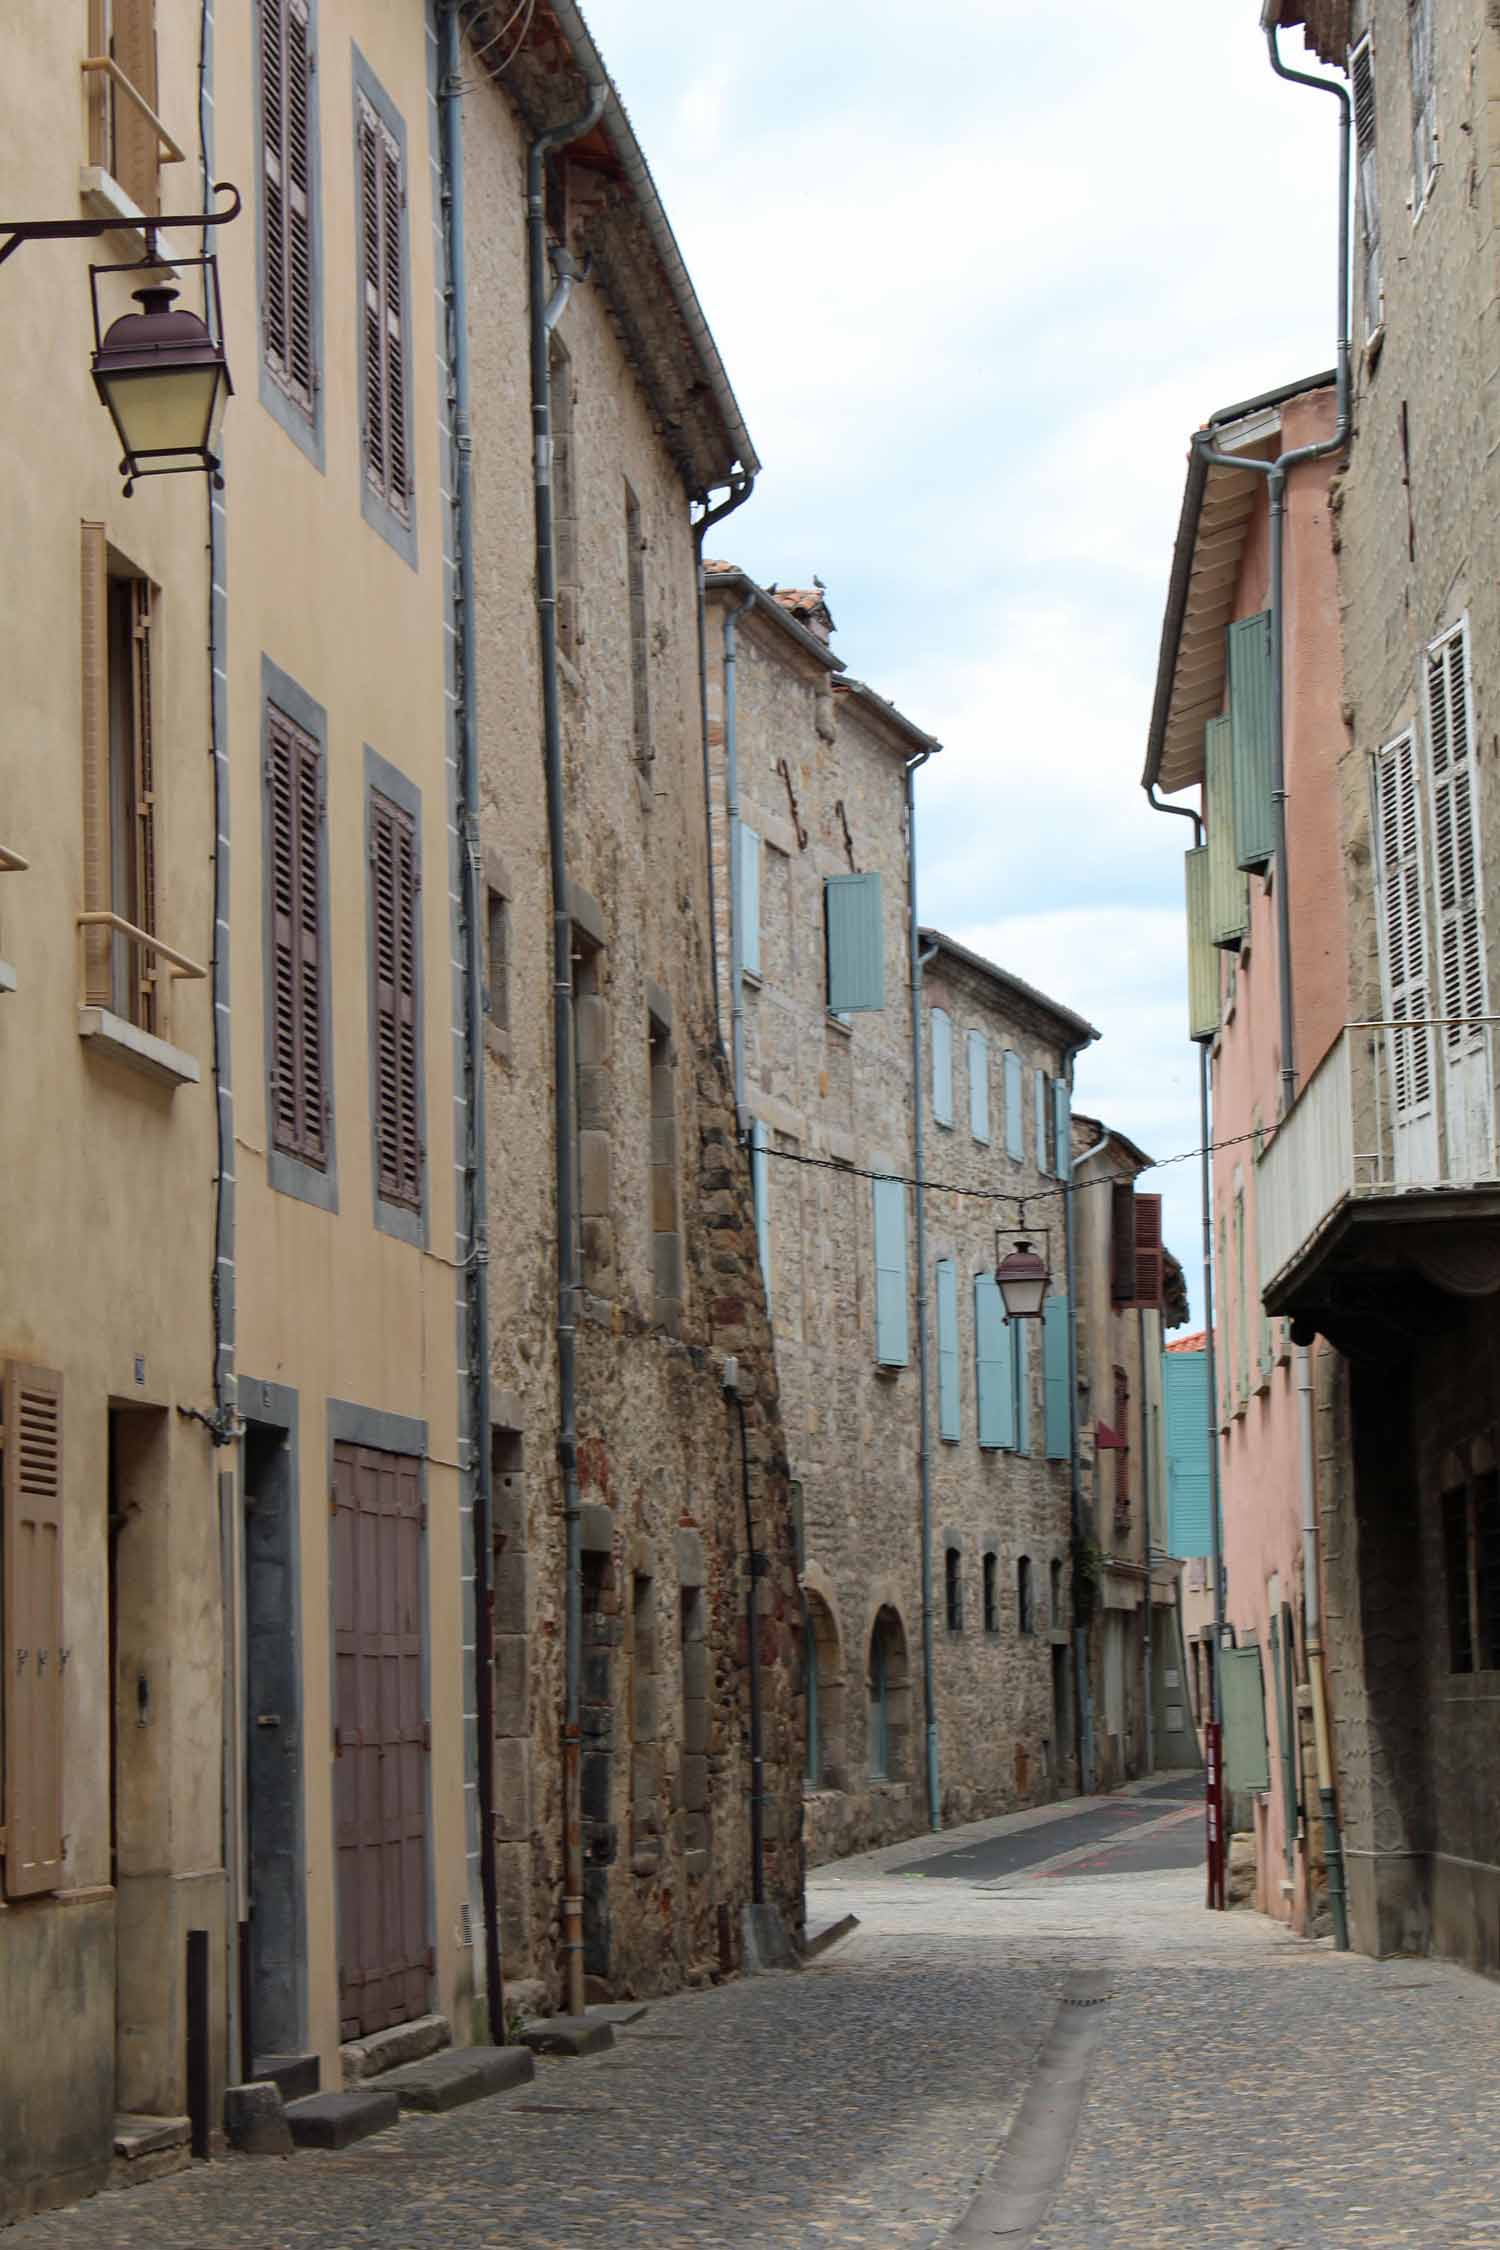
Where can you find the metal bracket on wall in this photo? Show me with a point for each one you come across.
(785, 772)
(848, 839)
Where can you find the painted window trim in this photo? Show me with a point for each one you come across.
(306, 430)
(396, 1219)
(286, 1173)
(377, 512)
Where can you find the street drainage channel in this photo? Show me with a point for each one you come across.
(1018, 2192)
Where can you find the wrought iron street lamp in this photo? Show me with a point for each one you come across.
(1022, 1277)
(162, 372)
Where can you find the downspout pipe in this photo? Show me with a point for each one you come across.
(740, 489)
(1210, 1356)
(476, 1172)
(924, 1403)
(564, 1118)
(736, 888)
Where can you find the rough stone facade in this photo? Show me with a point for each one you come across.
(670, 1274)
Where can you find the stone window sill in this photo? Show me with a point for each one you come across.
(103, 198)
(839, 1023)
(122, 1042)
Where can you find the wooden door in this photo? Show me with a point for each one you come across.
(381, 1739)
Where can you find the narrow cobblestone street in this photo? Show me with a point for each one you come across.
(1247, 2087)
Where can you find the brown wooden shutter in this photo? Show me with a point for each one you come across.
(98, 983)
(373, 403)
(394, 885)
(1150, 1254)
(296, 1058)
(135, 145)
(286, 124)
(1122, 1279)
(392, 196)
(148, 1010)
(34, 1655)
(274, 181)
(382, 198)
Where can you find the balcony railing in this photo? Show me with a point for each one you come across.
(1393, 1109)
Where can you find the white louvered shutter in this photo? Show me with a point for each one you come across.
(1406, 997)
(1461, 972)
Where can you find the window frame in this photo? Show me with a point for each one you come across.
(398, 529)
(287, 1173)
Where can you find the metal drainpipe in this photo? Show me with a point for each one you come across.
(924, 1406)
(450, 110)
(752, 1652)
(740, 490)
(1210, 1356)
(564, 1120)
(736, 899)
(1082, 1692)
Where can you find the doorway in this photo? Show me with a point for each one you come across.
(273, 1977)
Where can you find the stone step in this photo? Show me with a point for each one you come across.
(461, 2074)
(336, 2120)
(148, 2148)
(380, 2051)
(568, 2035)
(296, 2075)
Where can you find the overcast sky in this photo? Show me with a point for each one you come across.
(977, 270)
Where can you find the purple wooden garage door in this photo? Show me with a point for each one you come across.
(380, 1763)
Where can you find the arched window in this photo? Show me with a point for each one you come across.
(889, 1699)
(1025, 1615)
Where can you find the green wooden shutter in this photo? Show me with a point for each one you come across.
(749, 900)
(1185, 1410)
(1062, 1128)
(856, 943)
(1250, 729)
(940, 1024)
(1020, 1331)
(890, 1273)
(1058, 1423)
(1228, 889)
(979, 1085)
(760, 1183)
(1041, 1120)
(950, 1412)
(1014, 1132)
(1203, 958)
(993, 1367)
(1242, 1686)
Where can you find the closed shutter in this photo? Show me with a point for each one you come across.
(1463, 982)
(1062, 1119)
(760, 1188)
(1014, 1122)
(1362, 75)
(286, 129)
(298, 1071)
(1122, 1241)
(1057, 1420)
(1203, 959)
(1228, 887)
(147, 1009)
(890, 1273)
(1043, 1104)
(856, 943)
(1185, 1406)
(994, 1366)
(394, 884)
(98, 949)
(1248, 643)
(950, 1410)
(1403, 935)
(749, 850)
(979, 1085)
(31, 1529)
(382, 196)
(133, 43)
(1241, 1306)
(1423, 99)
(1020, 1333)
(1150, 1254)
(941, 1025)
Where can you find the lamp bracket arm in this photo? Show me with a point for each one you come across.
(13, 232)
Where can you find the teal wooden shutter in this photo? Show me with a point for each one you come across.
(1041, 1120)
(1020, 1331)
(1185, 1407)
(1250, 739)
(979, 1085)
(856, 943)
(1228, 889)
(950, 1412)
(1014, 1135)
(993, 1366)
(760, 1183)
(749, 900)
(1058, 1425)
(1242, 1687)
(941, 1027)
(1062, 1128)
(1203, 958)
(890, 1273)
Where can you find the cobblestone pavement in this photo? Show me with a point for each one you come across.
(1249, 2089)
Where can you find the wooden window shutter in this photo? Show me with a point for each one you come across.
(890, 1273)
(994, 1367)
(372, 271)
(382, 197)
(1228, 888)
(1362, 77)
(35, 1658)
(1055, 1391)
(98, 981)
(1397, 826)
(1250, 732)
(1122, 1241)
(950, 1410)
(1203, 958)
(286, 123)
(1150, 1254)
(941, 1025)
(855, 929)
(1020, 1338)
(1043, 1106)
(760, 1186)
(749, 850)
(1062, 1128)
(394, 884)
(149, 1010)
(133, 42)
(979, 1085)
(1455, 843)
(298, 1064)
(392, 198)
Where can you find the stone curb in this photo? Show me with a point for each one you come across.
(824, 1939)
(568, 2035)
(334, 2120)
(461, 2074)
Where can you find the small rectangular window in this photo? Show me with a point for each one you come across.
(497, 958)
(941, 1027)
(640, 654)
(121, 788)
(991, 1593)
(394, 979)
(125, 133)
(953, 1589)
(666, 1240)
(978, 1050)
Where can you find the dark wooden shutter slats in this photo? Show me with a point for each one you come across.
(1150, 1254)
(31, 1535)
(286, 168)
(382, 197)
(395, 341)
(374, 365)
(394, 886)
(273, 171)
(1122, 1243)
(299, 1090)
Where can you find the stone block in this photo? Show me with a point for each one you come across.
(463, 2074)
(695, 1681)
(254, 2119)
(594, 1086)
(596, 1240)
(595, 1777)
(512, 1771)
(695, 1725)
(695, 1784)
(594, 1174)
(337, 2120)
(568, 2035)
(691, 1571)
(596, 1528)
(591, 1031)
(386, 2050)
(512, 1683)
(512, 1591)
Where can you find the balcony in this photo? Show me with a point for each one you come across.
(1385, 1160)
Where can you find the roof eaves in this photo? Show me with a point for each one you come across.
(926, 743)
(733, 581)
(1008, 982)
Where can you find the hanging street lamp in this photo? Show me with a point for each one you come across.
(1022, 1277)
